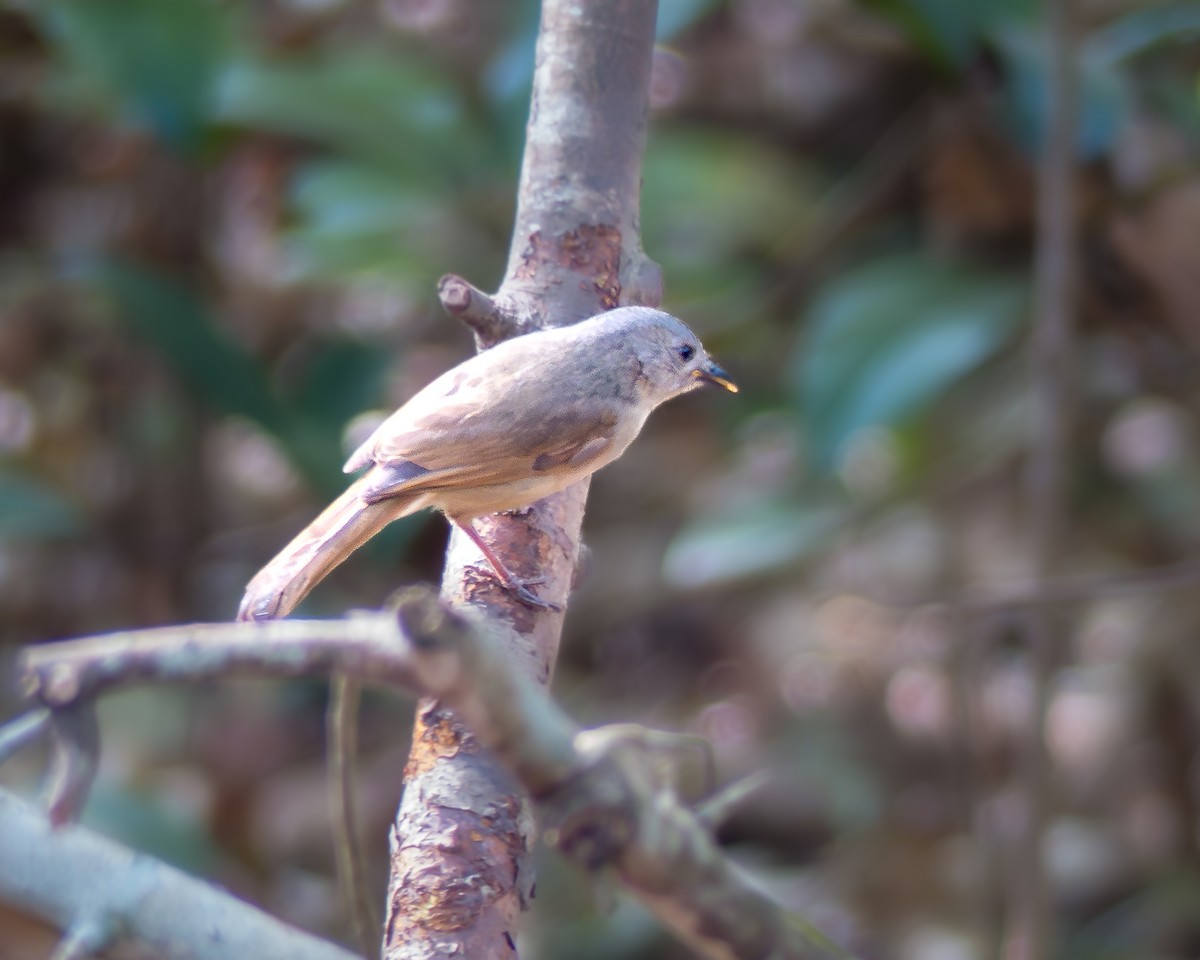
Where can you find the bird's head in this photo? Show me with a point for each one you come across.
(670, 355)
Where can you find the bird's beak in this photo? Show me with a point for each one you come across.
(711, 373)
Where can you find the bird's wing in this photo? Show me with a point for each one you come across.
(493, 446)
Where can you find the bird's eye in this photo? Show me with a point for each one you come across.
(686, 351)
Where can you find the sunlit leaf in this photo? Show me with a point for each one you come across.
(392, 110)
(747, 544)
(887, 339)
(357, 219)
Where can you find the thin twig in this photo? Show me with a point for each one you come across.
(74, 760)
(1029, 935)
(718, 808)
(476, 309)
(17, 734)
(341, 738)
(86, 938)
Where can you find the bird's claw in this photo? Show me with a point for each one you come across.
(520, 590)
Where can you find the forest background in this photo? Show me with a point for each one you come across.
(221, 227)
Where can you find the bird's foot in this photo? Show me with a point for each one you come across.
(517, 587)
(520, 589)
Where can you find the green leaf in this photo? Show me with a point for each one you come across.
(887, 339)
(354, 219)
(31, 511)
(708, 199)
(390, 109)
(748, 543)
(1105, 97)
(158, 58)
(167, 315)
(172, 320)
(1140, 31)
(940, 29)
(950, 32)
(343, 378)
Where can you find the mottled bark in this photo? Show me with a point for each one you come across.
(461, 840)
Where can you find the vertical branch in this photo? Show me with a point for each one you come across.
(341, 735)
(461, 839)
(1030, 934)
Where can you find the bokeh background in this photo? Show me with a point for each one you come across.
(221, 225)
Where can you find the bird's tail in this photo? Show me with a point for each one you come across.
(343, 527)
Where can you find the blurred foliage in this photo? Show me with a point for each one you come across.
(887, 339)
(155, 63)
(220, 234)
(31, 509)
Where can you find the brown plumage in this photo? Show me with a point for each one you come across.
(505, 428)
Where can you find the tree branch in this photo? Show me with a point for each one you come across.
(476, 309)
(84, 883)
(1029, 935)
(341, 738)
(61, 674)
(602, 793)
(459, 875)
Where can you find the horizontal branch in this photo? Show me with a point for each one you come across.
(76, 879)
(365, 646)
(603, 795)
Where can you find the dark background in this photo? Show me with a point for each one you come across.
(221, 225)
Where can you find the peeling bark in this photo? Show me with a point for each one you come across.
(463, 833)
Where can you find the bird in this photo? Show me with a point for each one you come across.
(513, 424)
